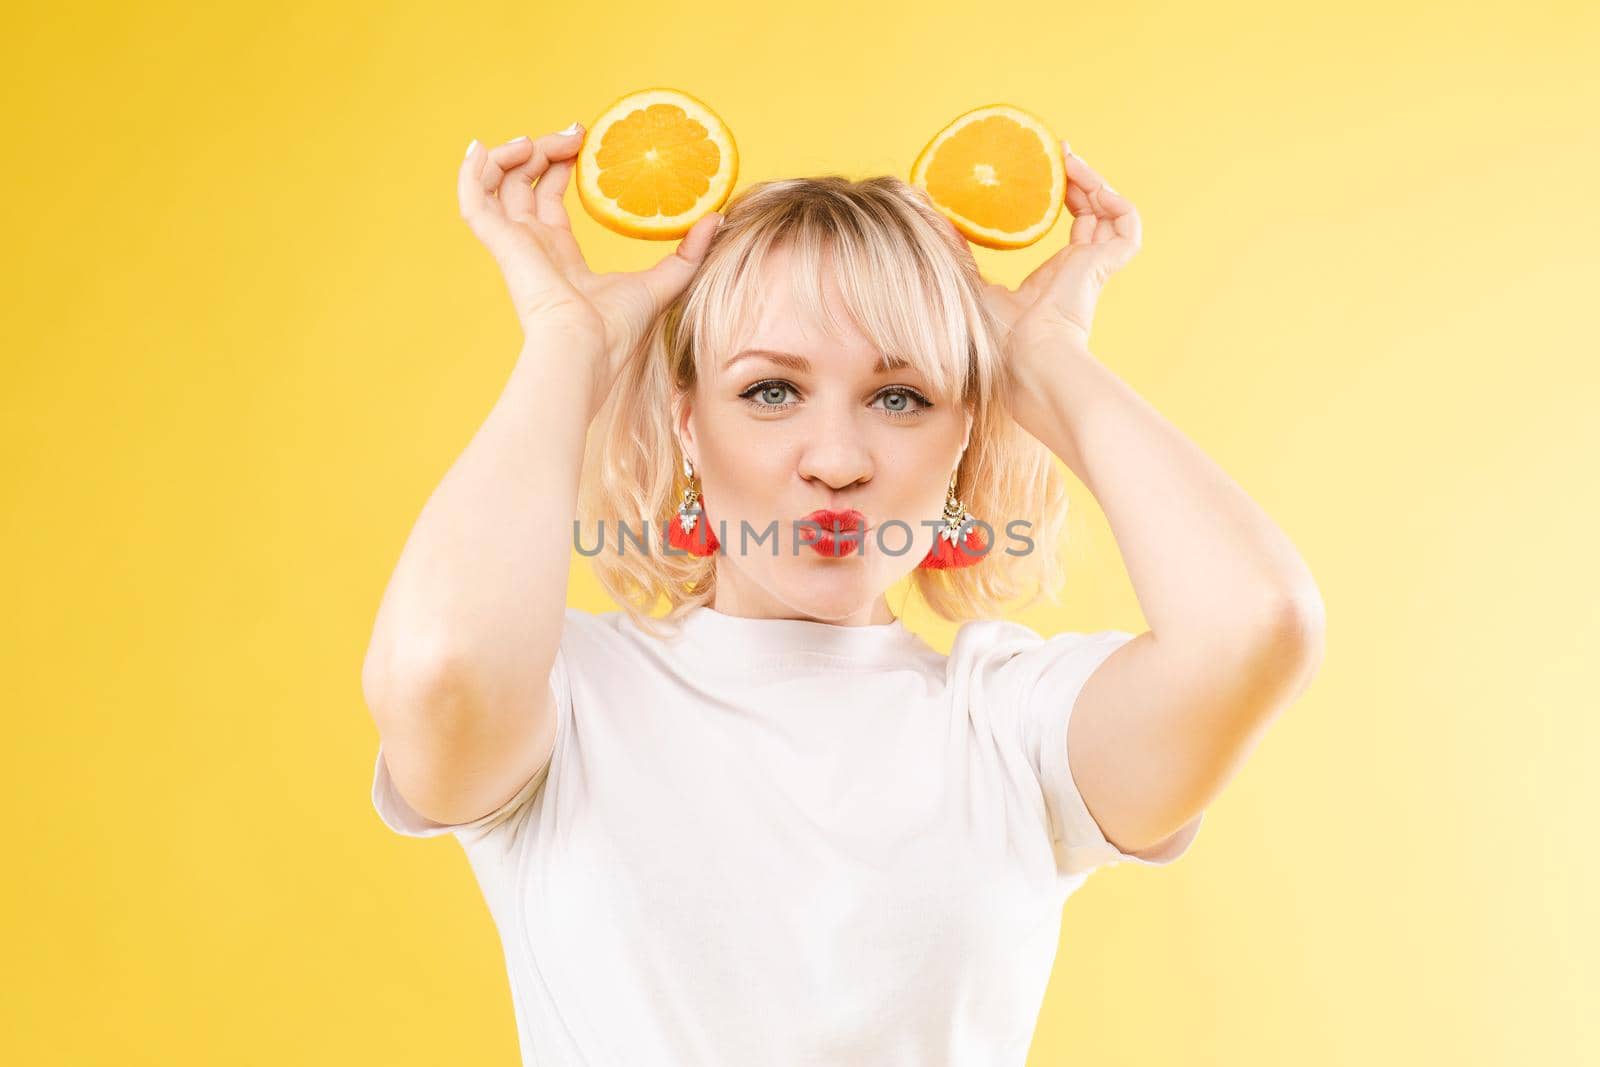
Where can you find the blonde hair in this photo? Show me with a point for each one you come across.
(912, 287)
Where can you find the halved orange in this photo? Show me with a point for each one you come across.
(654, 162)
(997, 173)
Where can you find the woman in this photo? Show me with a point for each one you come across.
(775, 826)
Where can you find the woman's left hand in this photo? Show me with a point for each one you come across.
(1055, 304)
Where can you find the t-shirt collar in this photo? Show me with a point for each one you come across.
(736, 637)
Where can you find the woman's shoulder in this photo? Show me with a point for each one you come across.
(595, 629)
(995, 642)
(975, 636)
(582, 619)
(604, 635)
(615, 621)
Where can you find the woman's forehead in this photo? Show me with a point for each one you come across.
(843, 312)
(811, 358)
(778, 330)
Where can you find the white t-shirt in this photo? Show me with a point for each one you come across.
(783, 842)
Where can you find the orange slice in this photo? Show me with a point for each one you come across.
(654, 162)
(997, 173)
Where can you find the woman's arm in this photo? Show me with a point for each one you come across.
(1235, 618)
(457, 672)
(457, 675)
(1208, 565)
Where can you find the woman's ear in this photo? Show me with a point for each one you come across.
(683, 428)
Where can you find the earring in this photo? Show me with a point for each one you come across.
(681, 529)
(951, 549)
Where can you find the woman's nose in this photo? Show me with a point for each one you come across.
(835, 450)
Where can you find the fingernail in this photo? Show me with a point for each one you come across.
(570, 130)
(1065, 147)
(514, 140)
(470, 147)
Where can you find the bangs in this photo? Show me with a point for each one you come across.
(898, 281)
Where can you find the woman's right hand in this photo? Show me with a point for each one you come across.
(511, 199)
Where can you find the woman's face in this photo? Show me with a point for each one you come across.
(773, 442)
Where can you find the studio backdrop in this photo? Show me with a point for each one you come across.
(246, 332)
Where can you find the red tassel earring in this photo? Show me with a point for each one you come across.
(951, 549)
(686, 531)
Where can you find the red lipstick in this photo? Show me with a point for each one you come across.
(834, 521)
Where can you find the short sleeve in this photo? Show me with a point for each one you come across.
(402, 818)
(1034, 682)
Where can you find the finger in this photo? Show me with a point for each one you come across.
(1084, 227)
(667, 278)
(474, 201)
(522, 155)
(500, 179)
(483, 170)
(530, 164)
(1087, 191)
(697, 242)
(1093, 230)
(549, 207)
(550, 210)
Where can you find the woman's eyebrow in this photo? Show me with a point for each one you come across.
(802, 364)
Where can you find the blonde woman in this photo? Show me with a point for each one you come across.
(772, 825)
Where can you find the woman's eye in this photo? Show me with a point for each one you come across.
(900, 402)
(904, 401)
(773, 394)
(766, 394)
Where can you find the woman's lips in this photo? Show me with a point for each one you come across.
(850, 524)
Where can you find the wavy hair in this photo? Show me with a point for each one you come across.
(912, 287)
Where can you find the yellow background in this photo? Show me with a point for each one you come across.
(246, 333)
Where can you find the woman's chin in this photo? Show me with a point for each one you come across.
(825, 582)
